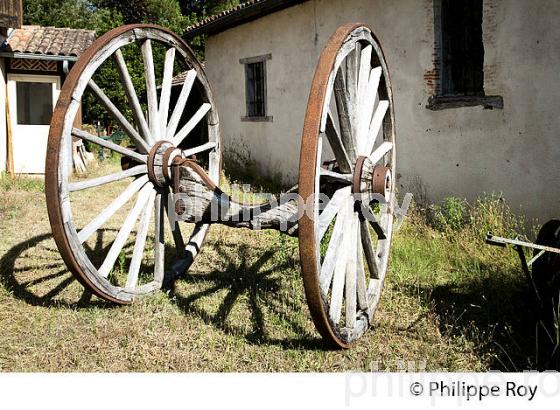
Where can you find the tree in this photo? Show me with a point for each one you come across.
(59, 13)
(104, 15)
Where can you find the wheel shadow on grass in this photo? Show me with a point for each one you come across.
(242, 298)
(33, 271)
(496, 313)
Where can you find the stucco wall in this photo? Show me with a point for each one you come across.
(2, 116)
(462, 152)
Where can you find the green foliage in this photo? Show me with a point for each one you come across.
(451, 214)
(59, 13)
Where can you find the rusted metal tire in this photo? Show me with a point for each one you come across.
(145, 133)
(546, 269)
(336, 83)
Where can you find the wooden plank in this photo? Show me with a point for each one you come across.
(337, 146)
(166, 89)
(189, 126)
(132, 97)
(9, 142)
(347, 130)
(333, 248)
(125, 231)
(119, 117)
(375, 125)
(380, 152)
(151, 89)
(139, 245)
(107, 179)
(180, 104)
(369, 251)
(351, 273)
(331, 209)
(340, 267)
(113, 207)
(366, 110)
(108, 144)
(159, 239)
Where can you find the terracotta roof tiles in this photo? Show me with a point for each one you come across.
(50, 41)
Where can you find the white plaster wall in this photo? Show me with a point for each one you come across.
(3, 141)
(462, 152)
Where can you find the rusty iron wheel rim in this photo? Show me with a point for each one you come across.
(63, 234)
(307, 177)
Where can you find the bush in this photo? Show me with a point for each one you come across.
(451, 215)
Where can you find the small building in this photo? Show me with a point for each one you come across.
(476, 88)
(34, 62)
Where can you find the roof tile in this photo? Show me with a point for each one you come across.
(50, 40)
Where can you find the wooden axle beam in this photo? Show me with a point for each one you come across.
(197, 199)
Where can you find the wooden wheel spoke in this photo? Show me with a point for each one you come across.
(369, 252)
(175, 229)
(352, 64)
(331, 209)
(381, 151)
(351, 273)
(166, 89)
(335, 176)
(180, 104)
(375, 126)
(191, 251)
(366, 107)
(110, 210)
(201, 148)
(107, 179)
(347, 133)
(337, 146)
(151, 90)
(159, 238)
(108, 144)
(341, 266)
(125, 230)
(361, 283)
(132, 97)
(139, 245)
(193, 122)
(363, 78)
(119, 117)
(334, 246)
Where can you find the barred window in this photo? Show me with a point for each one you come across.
(256, 88)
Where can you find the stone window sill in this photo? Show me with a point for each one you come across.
(490, 102)
(257, 119)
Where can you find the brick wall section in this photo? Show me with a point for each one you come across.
(432, 76)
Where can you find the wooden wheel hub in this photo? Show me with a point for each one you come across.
(371, 179)
(160, 158)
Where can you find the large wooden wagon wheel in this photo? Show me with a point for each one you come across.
(343, 215)
(344, 251)
(154, 137)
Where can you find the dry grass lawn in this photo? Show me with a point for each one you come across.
(451, 303)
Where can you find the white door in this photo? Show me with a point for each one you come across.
(32, 99)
